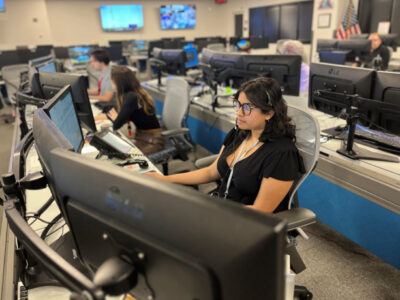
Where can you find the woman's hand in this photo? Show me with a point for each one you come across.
(100, 117)
(112, 114)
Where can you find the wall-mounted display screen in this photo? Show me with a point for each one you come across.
(121, 17)
(2, 7)
(178, 16)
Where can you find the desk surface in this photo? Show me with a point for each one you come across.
(376, 181)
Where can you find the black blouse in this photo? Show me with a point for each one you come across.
(131, 111)
(278, 159)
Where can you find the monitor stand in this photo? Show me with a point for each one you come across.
(350, 150)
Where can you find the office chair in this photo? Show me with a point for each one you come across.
(176, 104)
(307, 142)
(11, 76)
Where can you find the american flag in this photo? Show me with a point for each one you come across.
(349, 24)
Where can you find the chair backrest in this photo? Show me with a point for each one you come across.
(307, 142)
(11, 76)
(176, 103)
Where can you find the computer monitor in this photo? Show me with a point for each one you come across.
(192, 59)
(285, 69)
(362, 36)
(40, 60)
(387, 90)
(79, 54)
(221, 60)
(46, 85)
(49, 66)
(333, 56)
(62, 112)
(173, 43)
(258, 42)
(154, 44)
(157, 230)
(114, 52)
(389, 40)
(174, 59)
(8, 57)
(326, 44)
(140, 46)
(358, 48)
(61, 52)
(337, 79)
(347, 91)
(43, 50)
(203, 42)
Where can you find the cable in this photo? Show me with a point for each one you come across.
(48, 227)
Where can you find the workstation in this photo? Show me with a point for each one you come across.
(67, 239)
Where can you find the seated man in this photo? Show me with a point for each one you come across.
(100, 61)
(379, 55)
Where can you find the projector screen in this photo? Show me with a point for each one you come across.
(178, 16)
(2, 7)
(121, 17)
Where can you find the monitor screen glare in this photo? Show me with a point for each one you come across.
(63, 115)
(178, 16)
(121, 17)
(49, 67)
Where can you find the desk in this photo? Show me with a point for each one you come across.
(360, 199)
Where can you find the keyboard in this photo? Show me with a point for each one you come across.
(383, 141)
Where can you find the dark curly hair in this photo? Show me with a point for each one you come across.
(265, 93)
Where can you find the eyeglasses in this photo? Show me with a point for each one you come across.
(246, 107)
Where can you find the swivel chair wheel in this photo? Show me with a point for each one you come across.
(302, 293)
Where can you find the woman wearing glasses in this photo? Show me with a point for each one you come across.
(258, 161)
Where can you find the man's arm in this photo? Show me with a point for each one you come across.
(106, 97)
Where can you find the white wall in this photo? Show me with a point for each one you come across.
(25, 22)
(69, 22)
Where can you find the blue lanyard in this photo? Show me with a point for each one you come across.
(238, 158)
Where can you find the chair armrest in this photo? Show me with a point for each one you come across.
(205, 161)
(297, 217)
(173, 132)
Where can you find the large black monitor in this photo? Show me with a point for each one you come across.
(347, 91)
(222, 60)
(174, 59)
(173, 43)
(340, 79)
(286, 69)
(203, 42)
(154, 44)
(62, 112)
(259, 42)
(326, 44)
(155, 232)
(387, 90)
(115, 53)
(61, 52)
(358, 48)
(45, 86)
(390, 40)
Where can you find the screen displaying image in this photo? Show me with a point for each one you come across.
(178, 16)
(79, 55)
(121, 17)
(2, 7)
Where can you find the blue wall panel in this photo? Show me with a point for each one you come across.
(366, 223)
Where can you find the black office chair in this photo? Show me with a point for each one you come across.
(176, 104)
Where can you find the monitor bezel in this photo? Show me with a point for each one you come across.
(53, 101)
